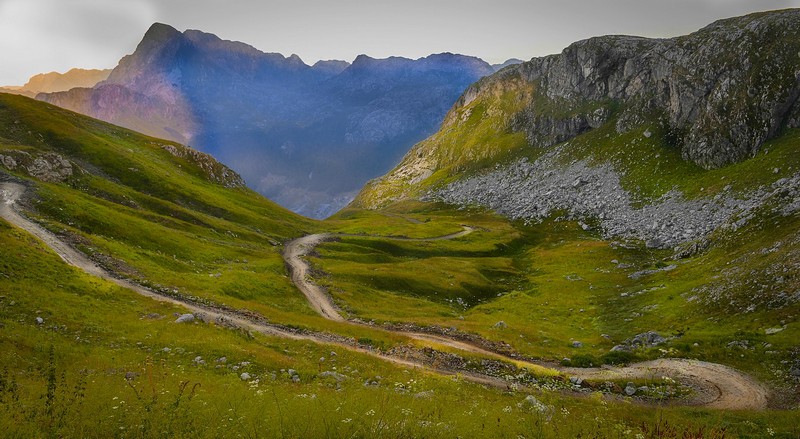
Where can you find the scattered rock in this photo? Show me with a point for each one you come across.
(501, 324)
(199, 360)
(630, 389)
(644, 340)
(50, 167)
(577, 344)
(428, 394)
(741, 344)
(535, 404)
(770, 331)
(333, 374)
(244, 376)
(39, 320)
(533, 191)
(185, 318)
(647, 339)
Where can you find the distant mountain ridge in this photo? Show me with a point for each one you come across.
(305, 136)
(506, 63)
(55, 82)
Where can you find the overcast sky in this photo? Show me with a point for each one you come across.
(55, 35)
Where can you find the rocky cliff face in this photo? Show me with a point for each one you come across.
(305, 136)
(723, 90)
(719, 94)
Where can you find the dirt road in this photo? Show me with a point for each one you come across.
(717, 386)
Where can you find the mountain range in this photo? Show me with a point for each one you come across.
(305, 136)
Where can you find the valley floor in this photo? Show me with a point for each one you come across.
(713, 386)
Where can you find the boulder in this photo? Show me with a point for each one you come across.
(185, 318)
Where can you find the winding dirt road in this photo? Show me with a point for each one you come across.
(295, 250)
(717, 386)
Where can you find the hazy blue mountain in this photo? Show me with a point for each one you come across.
(306, 136)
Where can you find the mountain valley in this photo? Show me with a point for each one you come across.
(599, 243)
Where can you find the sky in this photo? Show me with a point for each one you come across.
(38, 36)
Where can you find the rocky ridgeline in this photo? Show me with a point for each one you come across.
(722, 90)
(537, 190)
(719, 93)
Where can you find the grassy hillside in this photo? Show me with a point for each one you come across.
(84, 357)
(156, 212)
(105, 362)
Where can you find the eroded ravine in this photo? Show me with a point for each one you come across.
(719, 386)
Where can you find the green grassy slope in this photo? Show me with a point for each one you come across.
(159, 213)
(105, 362)
(554, 283)
(157, 217)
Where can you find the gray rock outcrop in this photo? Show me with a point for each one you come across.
(715, 95)
(722, 90)
(185, 318)
(49, 167)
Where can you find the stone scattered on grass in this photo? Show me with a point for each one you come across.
(185, 318)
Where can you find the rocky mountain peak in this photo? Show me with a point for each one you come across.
(308, 137)
(717, 94)
(722, 90)
(156, 37)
